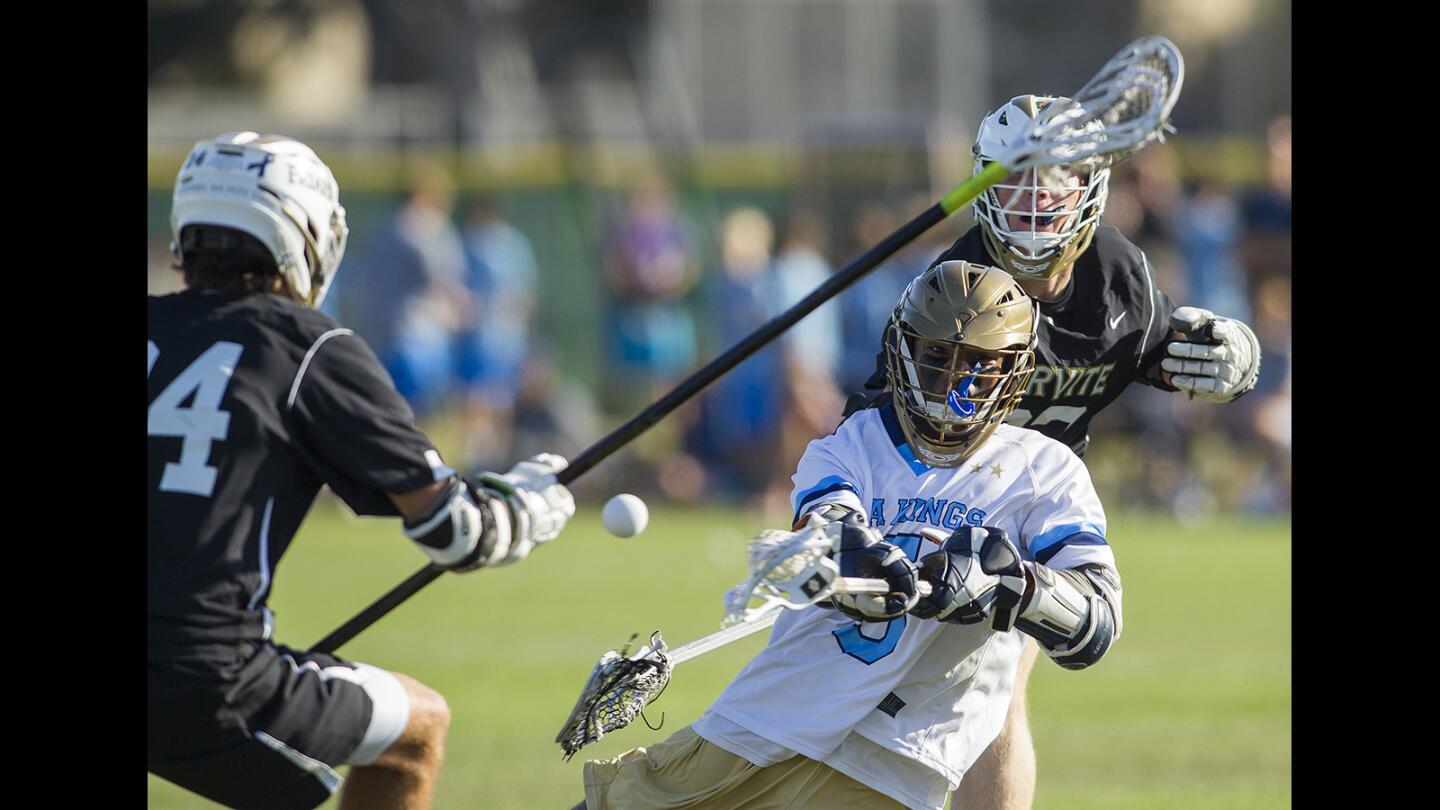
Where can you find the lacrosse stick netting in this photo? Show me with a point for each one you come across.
(787, 570)
(1124, 107)
(621, 686)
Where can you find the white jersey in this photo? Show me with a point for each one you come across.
(906, 707)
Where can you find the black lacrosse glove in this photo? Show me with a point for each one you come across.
(973, 578)
(860, 552)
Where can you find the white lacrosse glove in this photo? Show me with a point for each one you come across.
(539, 504)
(1220, 360)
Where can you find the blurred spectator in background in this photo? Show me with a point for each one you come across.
(1267, 245)
(551, 411)
(411, 299)
(867, 305)
(1268, 406)
(811, 351)
(501, 276)
(738, 431)
(1144, 192)
(1266, 251)
(1207, 229)
(648, 269)
(800, 267)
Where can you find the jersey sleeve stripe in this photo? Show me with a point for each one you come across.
(441, 470)
(1058, 535)
(1076, 556)
(304, 364)
(264, 555)
(1044, 556)
(827, 485)
(1150, 298)
(321, 772)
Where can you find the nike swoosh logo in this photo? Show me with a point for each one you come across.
(1117, 320)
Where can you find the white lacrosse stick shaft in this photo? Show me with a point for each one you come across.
(771, 612)
(720, 638)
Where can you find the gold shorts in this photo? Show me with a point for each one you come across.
(687, 771)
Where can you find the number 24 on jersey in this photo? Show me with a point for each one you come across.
(199, 424)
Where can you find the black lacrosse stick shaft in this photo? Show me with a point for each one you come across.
(658, 410)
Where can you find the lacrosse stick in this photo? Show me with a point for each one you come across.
(789, 570)
(1124, 107)
(794, 570)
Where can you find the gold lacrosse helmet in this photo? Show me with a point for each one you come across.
(959, 349)
(1035, 223)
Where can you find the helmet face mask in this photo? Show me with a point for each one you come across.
(960, 351)
(277, 190)
(1037, 222)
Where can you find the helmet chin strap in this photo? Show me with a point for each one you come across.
(312, 253)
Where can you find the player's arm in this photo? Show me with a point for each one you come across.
(827, 495)
(1154, 308)
(497, 520)
(1073, 613)
(979, 575)
(359, 435)
(1210, 356)
(1063, 589)
(1194, 350)
(417, 503)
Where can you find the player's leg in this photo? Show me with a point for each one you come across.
(403, 775)
(1003, 777)
(261, 726)
(686, 770)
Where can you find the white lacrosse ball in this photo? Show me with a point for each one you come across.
(625, 515)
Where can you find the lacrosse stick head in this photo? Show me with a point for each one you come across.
(618, 690)
(787, 569)
(1124, 107)
(1059, 151)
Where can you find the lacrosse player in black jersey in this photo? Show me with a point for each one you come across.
(1104, 325)
(256, 400)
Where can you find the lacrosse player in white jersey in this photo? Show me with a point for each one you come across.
(886, 701)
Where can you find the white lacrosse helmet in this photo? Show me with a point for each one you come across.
(277, 190)
(1035, 224)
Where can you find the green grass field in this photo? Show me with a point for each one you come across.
(1191, 709)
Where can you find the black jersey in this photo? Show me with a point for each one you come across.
(1109, 329)
(255, 402)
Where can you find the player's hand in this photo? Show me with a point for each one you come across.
(861, 552)
(539, 505)
(976, 576)
(1219, 359)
